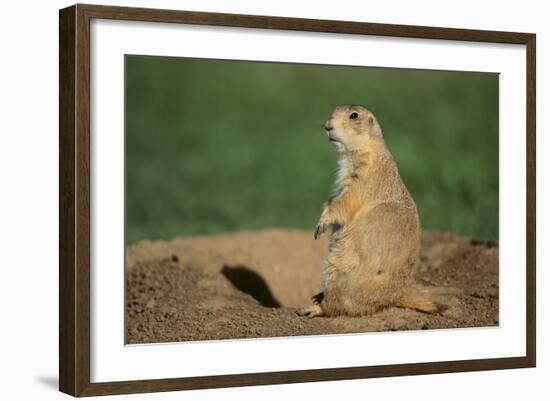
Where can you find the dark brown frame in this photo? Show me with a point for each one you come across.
(74, 199)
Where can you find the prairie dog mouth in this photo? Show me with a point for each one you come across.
(331, 137)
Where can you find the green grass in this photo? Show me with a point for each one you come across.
(216, 146)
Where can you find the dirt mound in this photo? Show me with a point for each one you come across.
(248, 284)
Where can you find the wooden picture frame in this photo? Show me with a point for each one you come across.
(74, 200)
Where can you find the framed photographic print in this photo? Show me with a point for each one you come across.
(251, 200)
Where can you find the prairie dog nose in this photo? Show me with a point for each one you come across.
(328, 125)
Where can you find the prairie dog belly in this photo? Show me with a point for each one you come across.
(372, 259)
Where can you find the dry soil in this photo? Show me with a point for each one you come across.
(249, 284)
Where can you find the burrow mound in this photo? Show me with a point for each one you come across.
(248, 285)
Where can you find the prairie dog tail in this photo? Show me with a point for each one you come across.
(420, 303)
(422, 298)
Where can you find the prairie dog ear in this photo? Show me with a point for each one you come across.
(371, 120)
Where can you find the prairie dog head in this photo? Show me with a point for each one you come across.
(352, 128)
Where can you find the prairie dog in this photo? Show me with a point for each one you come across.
(375, 230)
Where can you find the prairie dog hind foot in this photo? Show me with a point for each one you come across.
(310, 311)
(315, 309)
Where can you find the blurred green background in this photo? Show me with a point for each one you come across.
(215, 146)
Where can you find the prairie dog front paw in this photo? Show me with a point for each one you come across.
(323, 223)
(319, 230)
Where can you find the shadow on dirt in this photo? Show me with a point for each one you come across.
(248, 281)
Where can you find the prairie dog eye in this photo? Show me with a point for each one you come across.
(353, 116)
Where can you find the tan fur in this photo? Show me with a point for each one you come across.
(418, 303)
(374, 224)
